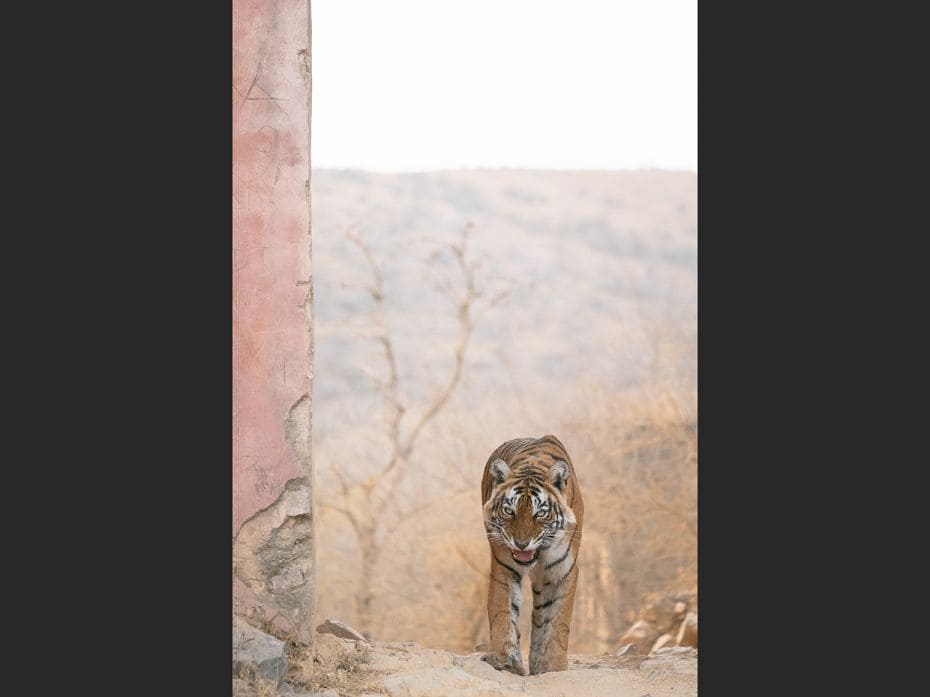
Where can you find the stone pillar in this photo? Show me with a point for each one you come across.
(273, 538)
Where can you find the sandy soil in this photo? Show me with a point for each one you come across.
(406, 669)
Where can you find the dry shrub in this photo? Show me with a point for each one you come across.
(330, 664)
(637, 462)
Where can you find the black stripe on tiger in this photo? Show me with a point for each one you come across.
(559, 582)
(547, 603)
(568, 549)
(513, 571)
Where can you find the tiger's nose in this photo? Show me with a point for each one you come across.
(522, 545)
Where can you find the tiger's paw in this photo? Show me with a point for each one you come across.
(513, 664)
(542, 664)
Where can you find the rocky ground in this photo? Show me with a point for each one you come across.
(341, 666)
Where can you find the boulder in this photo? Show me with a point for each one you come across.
(256, 654)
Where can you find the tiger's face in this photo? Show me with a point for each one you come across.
(526, 511)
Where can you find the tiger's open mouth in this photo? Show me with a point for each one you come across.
(524, 557)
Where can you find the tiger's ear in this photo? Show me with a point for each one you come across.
(559, 474)
(499, 471)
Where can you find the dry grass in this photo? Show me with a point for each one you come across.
(252, 685)
(331, 665)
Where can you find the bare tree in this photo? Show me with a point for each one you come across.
(365, 501)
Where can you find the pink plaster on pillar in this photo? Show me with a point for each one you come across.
(272, 320)
(271, 245)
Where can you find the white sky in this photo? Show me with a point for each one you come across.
(413, 85)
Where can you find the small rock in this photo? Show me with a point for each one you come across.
(340, 629)
(257, 653)
(675, 651)
(628, 650)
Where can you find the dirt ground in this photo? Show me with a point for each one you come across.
(405, 669)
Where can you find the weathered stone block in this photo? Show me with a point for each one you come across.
(256, 654)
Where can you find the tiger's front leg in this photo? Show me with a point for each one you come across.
(503, 613)
(553, 603)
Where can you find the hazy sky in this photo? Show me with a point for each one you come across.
(413, 85)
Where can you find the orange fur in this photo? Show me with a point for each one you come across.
(520, 475)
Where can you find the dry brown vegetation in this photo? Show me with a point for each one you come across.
(639, 454)
(330, 664)
(636, 461)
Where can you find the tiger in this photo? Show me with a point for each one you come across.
(533, 514)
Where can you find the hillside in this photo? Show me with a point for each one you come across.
(602, 267)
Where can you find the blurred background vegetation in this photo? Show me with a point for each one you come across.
(457, 310)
